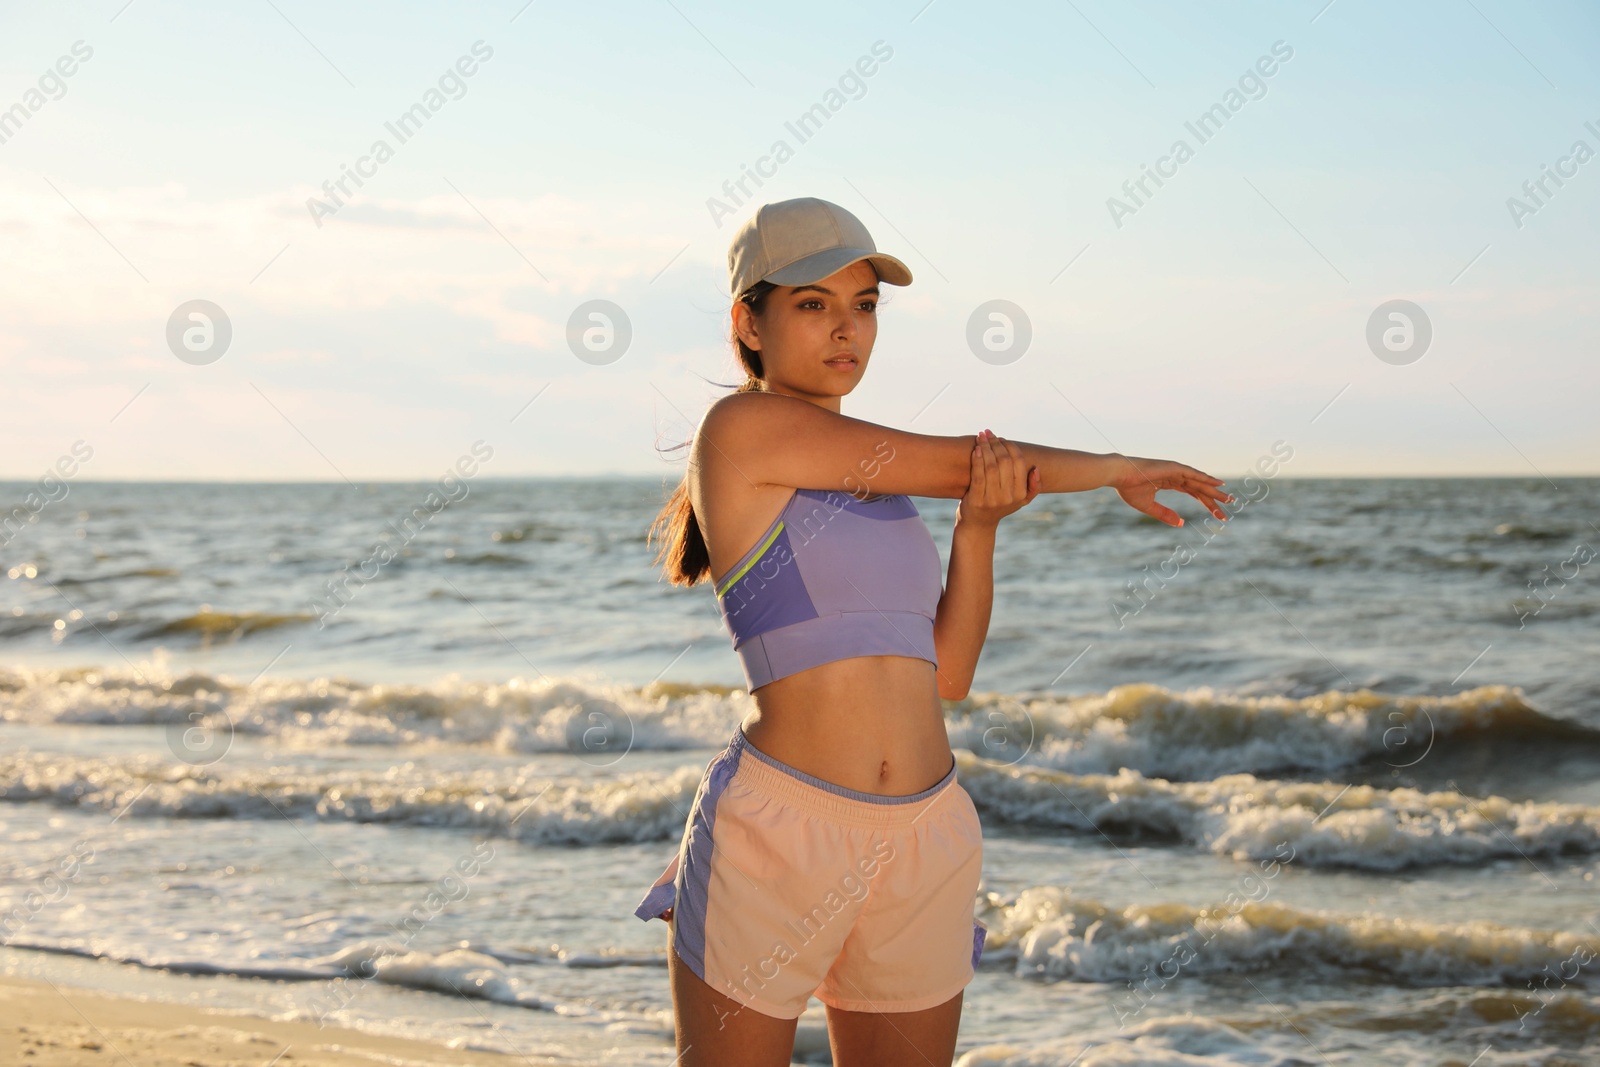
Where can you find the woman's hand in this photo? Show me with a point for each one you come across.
(1138, 480)
(1000, 483)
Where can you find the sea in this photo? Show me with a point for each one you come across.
(1318, 785)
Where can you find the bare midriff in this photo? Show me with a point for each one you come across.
(869, 723)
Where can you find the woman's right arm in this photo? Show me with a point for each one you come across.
(772, 439)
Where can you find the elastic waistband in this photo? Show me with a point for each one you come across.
(823, 797)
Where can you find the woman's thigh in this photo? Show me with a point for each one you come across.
(896, 1038)
(714, 1030)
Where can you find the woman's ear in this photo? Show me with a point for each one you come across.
(744, 325)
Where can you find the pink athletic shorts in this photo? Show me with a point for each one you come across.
(785, 885)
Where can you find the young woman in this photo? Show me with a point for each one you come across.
(830, 849)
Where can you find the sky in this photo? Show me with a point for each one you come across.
(1359, 154)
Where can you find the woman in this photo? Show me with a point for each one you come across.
(830, 849)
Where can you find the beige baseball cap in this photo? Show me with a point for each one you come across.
(797, 242)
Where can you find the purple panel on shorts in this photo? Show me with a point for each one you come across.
(690, 917)
(979, 934)
(658, 900)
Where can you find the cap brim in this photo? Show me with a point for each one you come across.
(819, 265)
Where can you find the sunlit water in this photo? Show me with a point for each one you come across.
(1328, 791)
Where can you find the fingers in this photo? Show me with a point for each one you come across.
(1213, 500)
(1011, 476)
(1164, 513)
(1029, 480)
(1016, 476)
(1202, 487)
(1215, 509)
(1001, 478)
(1209, 484)
(991, 471)
(1211, 497)
(1198, 474)
(999, 493)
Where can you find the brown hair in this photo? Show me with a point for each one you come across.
(682, 545)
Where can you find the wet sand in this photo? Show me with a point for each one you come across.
(45, 1025)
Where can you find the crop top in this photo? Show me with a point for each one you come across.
(833, 577)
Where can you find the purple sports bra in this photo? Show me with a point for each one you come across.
(833, 577)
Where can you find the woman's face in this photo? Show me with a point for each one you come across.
(815, 340)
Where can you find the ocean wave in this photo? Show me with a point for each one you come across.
(209, 625)
(1542, 1027)
(1047, 932)
(583, 717)
(1204, 732)
(1325, 824)
(485, 559)
(457, 972)
(139, 572)
(1241, 816)
(1168, 1041)
(502, 803)
(1512, 531)
(1196, 734)
(531, 531)
(279, 971)
(363, 958)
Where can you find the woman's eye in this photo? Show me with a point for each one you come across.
(869, 306)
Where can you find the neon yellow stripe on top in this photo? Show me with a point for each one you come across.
(761, 548)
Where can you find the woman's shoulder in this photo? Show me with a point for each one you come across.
(737, 409)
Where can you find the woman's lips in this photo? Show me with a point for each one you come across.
(845, 363)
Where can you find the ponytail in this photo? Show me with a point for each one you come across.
(683, 548)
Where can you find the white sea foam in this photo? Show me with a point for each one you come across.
(1044, 932)
(499, 801)
(1196, 734)
(1170, 1041)
(1203, 732)
(376, 960)
(1324, 823)
(101, 947)
(457, 971)
(1047, 931)
(1319, 823)
(528, 716)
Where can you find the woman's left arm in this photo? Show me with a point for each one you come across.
(1000, 485)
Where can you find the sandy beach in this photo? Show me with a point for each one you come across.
(48, 1025)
